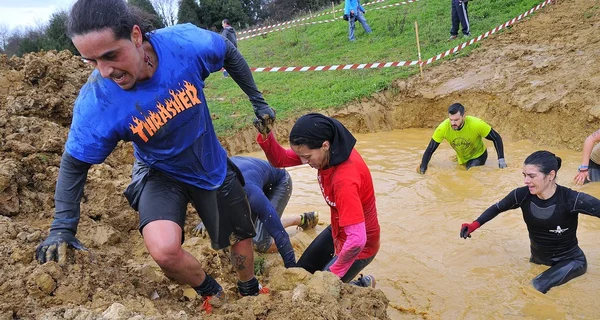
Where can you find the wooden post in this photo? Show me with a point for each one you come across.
(333, 9)
(419, 48)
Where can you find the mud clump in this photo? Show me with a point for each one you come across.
(116, 278)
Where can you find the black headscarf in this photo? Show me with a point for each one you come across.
(315, 126)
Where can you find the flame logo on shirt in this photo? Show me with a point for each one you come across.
(179, 101)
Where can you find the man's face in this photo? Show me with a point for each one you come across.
(120, 60)
(456, 120)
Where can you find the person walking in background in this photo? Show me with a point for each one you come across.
(351, 241)
(147, 88)
(229, 33)
(589, 170)
(465, 134)
(551, 214)
(353, 11)
(460, 14)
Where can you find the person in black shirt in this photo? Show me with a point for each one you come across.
(550, 212)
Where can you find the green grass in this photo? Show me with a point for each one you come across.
(393, 39)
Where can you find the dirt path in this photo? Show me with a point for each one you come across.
(539, 80)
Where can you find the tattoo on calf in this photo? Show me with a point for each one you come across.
(237, 260)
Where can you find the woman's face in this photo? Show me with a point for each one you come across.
(316, 158)
(120, 60)
(537, 181)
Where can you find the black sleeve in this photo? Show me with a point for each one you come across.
(586, 204)
(512, 201)
(240, 72)
(495, 137)
(69, 190)
(433, 145)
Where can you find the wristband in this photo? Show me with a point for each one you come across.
(582, 168)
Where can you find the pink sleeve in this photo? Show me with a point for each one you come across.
(356, 239)
(276, 154)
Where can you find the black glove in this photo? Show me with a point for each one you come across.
(54, 248)
(345, 17)
(421, 169)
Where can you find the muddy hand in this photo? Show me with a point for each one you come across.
(54, 248)
(581, 177)
(200, 230)
(261, 126)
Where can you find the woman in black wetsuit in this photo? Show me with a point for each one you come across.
(550, 212)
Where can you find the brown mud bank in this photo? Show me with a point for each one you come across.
(538, 80)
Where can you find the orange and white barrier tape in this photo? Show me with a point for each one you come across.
(375, 65)
(303, 19)
(290, 24)
(378, 65)
(323, 21)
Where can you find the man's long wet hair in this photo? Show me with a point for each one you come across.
(456, 107)
(546, 161)
(95, 15)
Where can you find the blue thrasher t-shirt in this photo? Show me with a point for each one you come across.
(165, 117)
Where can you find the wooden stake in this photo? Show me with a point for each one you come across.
(419, 48)
(333, 9)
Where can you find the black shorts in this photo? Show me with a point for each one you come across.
(225, 212)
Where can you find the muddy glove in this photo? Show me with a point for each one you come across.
(54, 248)
(345, 17)
(501, 163)
(467, 228)
(265, 118)
(421, 169)
(200, 231)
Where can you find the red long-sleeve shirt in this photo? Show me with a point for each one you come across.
(347, 189)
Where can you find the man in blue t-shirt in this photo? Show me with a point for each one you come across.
(147, 89)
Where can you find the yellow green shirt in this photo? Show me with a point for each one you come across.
(468, 141)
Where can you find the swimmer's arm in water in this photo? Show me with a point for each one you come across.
(433, 145)
(495, 137)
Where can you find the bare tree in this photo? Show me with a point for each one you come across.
(4, 32)
(167, 10)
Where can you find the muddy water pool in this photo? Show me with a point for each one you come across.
(425, 269)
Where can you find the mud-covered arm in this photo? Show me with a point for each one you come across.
(71, 180)
(495, 137)
(240, 72)
(433, 145)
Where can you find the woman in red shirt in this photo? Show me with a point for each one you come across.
(351, 242)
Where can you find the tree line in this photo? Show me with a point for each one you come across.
(207, 14)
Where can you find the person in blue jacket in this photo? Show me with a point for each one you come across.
(269, 189)
(353, 12)
(147, 89)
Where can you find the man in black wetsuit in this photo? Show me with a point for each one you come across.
(550, 212)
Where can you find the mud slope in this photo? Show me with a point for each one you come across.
(538, 80)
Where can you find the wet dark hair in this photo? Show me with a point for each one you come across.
(456, 107)
(309, 143)
(546, 161)
(95, 15)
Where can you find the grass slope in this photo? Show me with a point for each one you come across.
(393, 39)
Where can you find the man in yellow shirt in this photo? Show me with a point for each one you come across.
(465, 134)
